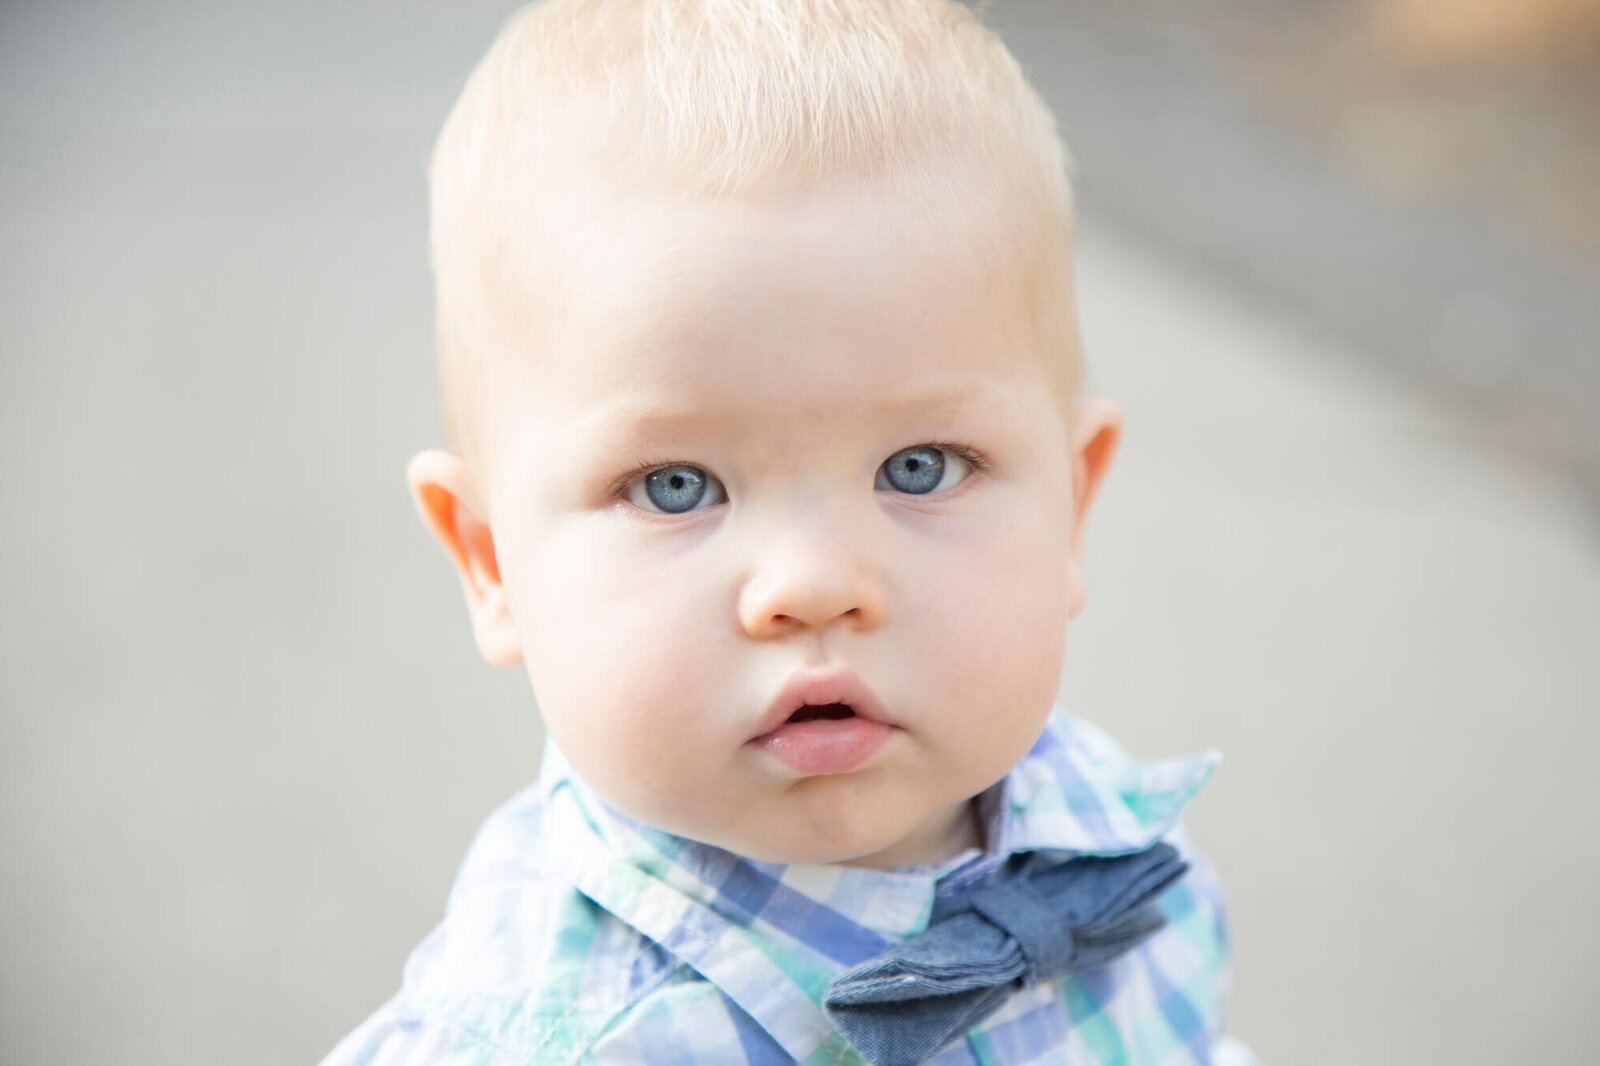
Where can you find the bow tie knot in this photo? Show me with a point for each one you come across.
(1036, 922)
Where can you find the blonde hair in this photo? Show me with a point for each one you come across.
(725, 98)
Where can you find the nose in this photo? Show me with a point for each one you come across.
(811, 582)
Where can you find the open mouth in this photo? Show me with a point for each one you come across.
(822, 722)
(813, 712)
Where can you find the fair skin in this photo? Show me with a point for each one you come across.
(770, 361)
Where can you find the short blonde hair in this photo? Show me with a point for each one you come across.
(725, 98)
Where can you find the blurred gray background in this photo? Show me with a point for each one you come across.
(1339, 262)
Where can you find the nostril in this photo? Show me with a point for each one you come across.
(785, 600)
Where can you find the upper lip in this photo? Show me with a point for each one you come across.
(818, 688)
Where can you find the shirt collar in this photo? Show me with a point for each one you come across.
(1076, 791)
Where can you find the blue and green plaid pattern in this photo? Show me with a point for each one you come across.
(577, 936)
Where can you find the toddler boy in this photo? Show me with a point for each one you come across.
(761, 377)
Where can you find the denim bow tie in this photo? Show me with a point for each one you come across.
(1035, 922)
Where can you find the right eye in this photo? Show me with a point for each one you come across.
(923, 469)
(675, 489)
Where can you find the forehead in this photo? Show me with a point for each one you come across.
(730, 301)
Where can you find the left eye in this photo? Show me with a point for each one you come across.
(676, 489)
(922, 469)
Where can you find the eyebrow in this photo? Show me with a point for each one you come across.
(631, 417)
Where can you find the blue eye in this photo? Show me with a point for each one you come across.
(676, 489)
(921, 469)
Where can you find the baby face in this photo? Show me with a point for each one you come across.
(781, 514)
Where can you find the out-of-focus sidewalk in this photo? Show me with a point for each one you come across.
(1414, 176)
(244, 737)
(1391, 631)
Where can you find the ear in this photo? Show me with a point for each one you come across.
(446, 496)
(1096, 429)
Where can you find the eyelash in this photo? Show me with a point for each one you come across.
(965, 452)
(619, 487)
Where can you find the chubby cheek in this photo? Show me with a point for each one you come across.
(628, 665)
(1005, 625)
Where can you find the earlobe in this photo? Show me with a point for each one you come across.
(1097, 429)
(447, 499)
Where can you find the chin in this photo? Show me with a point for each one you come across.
(814, 849)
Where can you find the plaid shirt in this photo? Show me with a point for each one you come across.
(574, 935)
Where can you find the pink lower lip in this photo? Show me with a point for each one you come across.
(825, 745)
